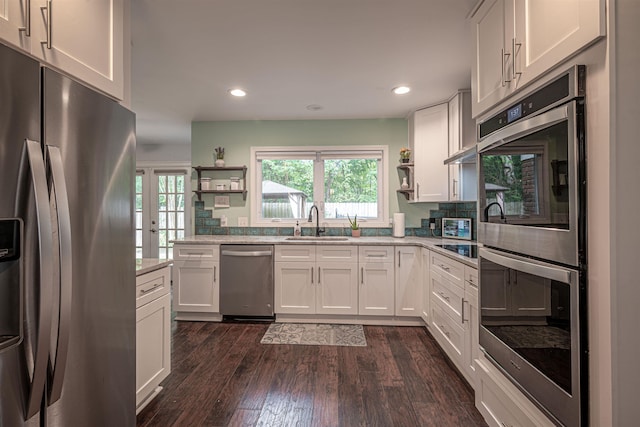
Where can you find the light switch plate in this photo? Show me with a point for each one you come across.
(243, 221)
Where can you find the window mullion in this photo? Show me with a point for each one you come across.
(318, 184)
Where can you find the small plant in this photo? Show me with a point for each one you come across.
(405, 153)
(354, 222)
(219, 153)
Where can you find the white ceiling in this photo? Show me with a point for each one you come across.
(345, 55)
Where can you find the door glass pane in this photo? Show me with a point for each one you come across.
(138, 214)
(287, 188)
(171, 219)
(351, 188)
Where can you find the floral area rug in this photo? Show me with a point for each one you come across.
(315, 334)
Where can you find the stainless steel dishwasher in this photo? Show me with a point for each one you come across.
(246, 281)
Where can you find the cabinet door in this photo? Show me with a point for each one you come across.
(408, 281)
(13, 17)
(431, 147)
(84, 39)
(377, 289)
(492, 25)
(426, 284)
(153, 346)
(197, 287)
(295, 287)
(471, 333)
(549, 31)
(337, 288)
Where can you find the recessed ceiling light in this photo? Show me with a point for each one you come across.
(237, 92)
(401, 90)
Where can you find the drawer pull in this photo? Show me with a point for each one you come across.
(444, 267)
(151, 289)
(446, 298)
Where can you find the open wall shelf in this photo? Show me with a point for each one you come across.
(211, 169)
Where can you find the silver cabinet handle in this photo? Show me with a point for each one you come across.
(45, 248)
(399, 258)
(516, 74)
(66, 272)
(157, 285)
(462, 312)
(48, 9)
(312, 275)
(454, 186)
(417, 194)
(319, 277)
(502, 59)
(27, 19)
(215, 269)
(362, 275)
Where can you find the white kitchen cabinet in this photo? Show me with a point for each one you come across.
(153, 334)
(430, 141)
(517, 41)
(81, 38)
(13, 23)
(377, 281)
(426, 285)
(462, 135)
(196, 270)
(408, 281)
(316, 280)
(503, 404)
(470, 320)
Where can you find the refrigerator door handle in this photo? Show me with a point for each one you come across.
(58, 366)
(45, 252)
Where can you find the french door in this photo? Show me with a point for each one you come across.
(161, 214)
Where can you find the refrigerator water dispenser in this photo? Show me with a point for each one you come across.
(10, 283)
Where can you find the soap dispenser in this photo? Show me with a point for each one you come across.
(297, 231)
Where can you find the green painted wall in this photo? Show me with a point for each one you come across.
(237, 137)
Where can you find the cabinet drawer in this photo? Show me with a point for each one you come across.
(448, 295)
(202, 252)
(152, 285)
(295, 253)
(450, 269)
(337, 253)
(448, 333)
(375, 254)
(470, 276)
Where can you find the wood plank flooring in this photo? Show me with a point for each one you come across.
(222, 376)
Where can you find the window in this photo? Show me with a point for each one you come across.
(341, 181)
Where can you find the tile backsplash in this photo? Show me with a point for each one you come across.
(205, 224)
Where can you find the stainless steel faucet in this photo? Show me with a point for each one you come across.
(318, 229)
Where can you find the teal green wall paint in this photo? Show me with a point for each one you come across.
(237, 138)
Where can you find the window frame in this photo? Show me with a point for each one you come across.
(318, 154)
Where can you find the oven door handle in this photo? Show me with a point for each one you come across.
(535, 268)
(526, 127)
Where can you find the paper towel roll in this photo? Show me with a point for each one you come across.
(398, 225)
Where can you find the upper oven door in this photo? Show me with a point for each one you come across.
(528, 186)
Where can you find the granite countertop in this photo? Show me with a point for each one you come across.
(426, 242)
(147, 265)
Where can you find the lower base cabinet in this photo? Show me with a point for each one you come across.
(501, 403)
(196, 276)
(153, 334)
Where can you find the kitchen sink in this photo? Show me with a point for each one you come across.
(317, 238)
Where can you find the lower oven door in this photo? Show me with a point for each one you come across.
(530, 329)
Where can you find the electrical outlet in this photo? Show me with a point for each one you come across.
(243, 221)
(432, 226)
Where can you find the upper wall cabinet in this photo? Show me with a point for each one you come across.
(430, 139)
(516, 41)
(81, 38)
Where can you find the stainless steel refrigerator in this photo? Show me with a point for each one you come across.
(67, 267)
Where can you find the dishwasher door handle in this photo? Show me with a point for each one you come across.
(246, 254)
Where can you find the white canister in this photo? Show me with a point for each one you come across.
(235, 183)
(205, 183)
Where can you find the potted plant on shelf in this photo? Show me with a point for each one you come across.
(355, 228)
(405, 155)
(219, 157)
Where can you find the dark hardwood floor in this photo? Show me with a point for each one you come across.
(222, 376)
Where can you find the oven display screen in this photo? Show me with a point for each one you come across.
(514, 113)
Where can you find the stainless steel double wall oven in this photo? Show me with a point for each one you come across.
(532, 224)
